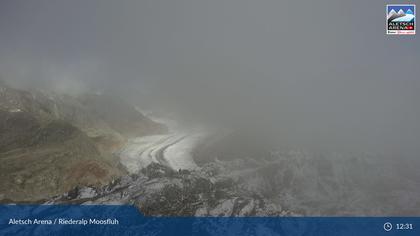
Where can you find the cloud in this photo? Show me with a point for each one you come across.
(316, 79)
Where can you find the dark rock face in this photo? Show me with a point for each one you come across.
(155, 170)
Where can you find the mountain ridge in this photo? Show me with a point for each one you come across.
(51, 143)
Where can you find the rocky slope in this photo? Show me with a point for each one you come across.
(51, 143)
(160, 191)
(238, 177)
(40, 160)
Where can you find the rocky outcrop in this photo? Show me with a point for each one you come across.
(161, 191)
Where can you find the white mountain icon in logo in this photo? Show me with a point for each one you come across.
(392, 13)
(401, 12)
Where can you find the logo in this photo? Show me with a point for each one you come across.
(401, 19)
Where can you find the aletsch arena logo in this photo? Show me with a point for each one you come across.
(401, 19)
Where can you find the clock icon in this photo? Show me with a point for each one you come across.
(387, 226)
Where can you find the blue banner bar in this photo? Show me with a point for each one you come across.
(127, 220)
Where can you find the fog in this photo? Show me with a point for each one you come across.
(317, 74)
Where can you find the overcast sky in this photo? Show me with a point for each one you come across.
(323, 72)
